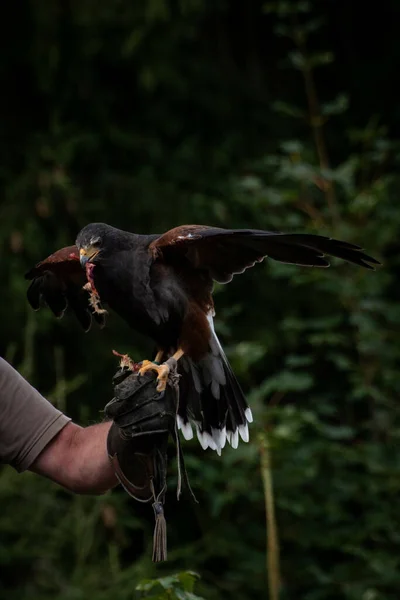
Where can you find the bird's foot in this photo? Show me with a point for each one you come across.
(126, 362)
(161, 370)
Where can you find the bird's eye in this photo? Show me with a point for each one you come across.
(95, 241)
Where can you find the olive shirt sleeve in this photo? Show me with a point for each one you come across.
(28, 422)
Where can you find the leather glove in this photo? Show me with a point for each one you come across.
(137, 442)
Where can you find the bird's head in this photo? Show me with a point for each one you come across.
(89, 242)
(99, 240)
(96, 240)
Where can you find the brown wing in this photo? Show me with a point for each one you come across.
(58, 282)
(225, 252)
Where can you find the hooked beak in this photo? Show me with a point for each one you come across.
(87, 254)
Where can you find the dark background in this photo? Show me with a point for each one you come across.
(281, 115)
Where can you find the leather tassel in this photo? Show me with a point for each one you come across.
(160, 534)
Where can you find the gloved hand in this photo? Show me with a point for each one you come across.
(137, 442)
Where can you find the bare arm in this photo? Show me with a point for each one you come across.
(76, 458)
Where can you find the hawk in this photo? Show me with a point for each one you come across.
(161, 285)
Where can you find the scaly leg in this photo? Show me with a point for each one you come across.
(162, 370)
(159, 356)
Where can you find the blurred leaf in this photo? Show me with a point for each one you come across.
(339, 105)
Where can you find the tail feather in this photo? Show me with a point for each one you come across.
(212, 401)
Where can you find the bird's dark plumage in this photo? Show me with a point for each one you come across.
(58, 281)
(162, 286)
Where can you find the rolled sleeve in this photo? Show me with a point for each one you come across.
(28, 421)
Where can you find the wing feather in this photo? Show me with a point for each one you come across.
(58, 282)
(226, 252)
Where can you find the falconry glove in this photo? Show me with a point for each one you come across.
(137, 441)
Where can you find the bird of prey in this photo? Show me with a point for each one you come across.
(161, 285)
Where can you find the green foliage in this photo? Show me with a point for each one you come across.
(172, 587)
(146, 115)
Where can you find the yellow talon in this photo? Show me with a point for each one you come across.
(161, 370)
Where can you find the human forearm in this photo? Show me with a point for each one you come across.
(77, 459)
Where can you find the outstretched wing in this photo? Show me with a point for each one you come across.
(58, 282)
(226, 252)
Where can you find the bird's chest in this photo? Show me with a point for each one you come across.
(123, 285)
(150, 299)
